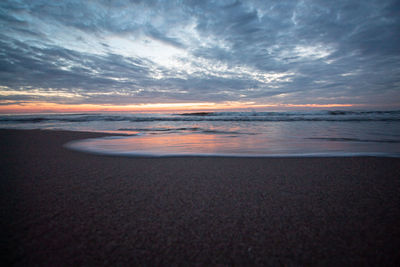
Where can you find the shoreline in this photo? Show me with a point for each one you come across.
(63, 207)
(75, 145)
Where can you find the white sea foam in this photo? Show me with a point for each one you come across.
(80, 146)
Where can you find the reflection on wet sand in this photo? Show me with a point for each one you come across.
(181, 143)
(213, 144)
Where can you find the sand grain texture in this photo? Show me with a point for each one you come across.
(63, 208)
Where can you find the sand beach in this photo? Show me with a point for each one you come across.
(66, 208)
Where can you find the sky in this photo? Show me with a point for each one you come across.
(158, 55)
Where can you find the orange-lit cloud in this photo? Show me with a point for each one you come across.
(155, 107)
(319, 105)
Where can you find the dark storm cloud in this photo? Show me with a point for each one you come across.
(155, 51)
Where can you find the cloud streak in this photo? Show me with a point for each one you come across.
(135, 52)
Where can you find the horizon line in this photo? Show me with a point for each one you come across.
(44, 107)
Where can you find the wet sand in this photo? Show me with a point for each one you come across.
(61, 208)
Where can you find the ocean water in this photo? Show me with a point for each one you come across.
(312, 133)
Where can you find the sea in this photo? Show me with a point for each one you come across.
(328, 133)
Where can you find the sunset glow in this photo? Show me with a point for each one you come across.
(159, 107)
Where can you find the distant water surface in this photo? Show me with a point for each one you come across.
(330, 133)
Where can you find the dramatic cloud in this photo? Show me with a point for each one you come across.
(265, 52)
